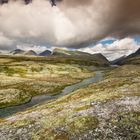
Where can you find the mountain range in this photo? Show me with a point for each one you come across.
(133, 58)
(22, 52)
(96, 58)
(45, 53)
(66, 55)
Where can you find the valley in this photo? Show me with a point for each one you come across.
(21, 80)
(75, 98)
(69, 70)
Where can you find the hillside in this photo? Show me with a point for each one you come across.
(64, 52)
(65, 56)
(24, 77)
(101, 58)
(118, 60)
(133, 58)
(97, 59)
(137, 53)
(45, 53)
(30, 52)
(108, 110)
(17, 52)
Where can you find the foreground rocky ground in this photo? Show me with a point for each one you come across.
(107, 110)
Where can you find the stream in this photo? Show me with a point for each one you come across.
(6, 112)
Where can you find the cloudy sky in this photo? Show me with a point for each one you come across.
(113, 48)
(111, 27)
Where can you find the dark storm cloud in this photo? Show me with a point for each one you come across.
(73, 23)
(127, 19)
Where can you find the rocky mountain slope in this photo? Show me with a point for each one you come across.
(118, 60)
(45, 53)
(133, 58)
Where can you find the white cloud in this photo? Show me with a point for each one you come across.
(115, 50)
(5, 40)
(5, 43)
(70, 23)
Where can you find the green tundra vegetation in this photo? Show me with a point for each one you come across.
(108, 109)
(25, 77)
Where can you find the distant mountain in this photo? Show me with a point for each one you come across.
(30, 52)
(118, 60)
(133, 58)
(60, 52)
(45, 53)
(64, 52)
(68, 56)
(137, 53)
(17, 52)
(100, 58)
(97, 59)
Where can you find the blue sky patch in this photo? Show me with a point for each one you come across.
(107, 41)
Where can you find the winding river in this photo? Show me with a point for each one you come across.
(6, 112)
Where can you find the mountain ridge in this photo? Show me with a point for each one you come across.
(45, 53)
(133, 58)
(30, 52)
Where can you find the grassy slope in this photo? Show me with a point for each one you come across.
(105, 110)
(23, 78)
(87, 60)
(133, 60)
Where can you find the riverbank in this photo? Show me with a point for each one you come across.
(22, 80)
(40, 99)
(109, 109)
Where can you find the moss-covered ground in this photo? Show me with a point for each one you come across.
(107, 110)
(22, 78)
